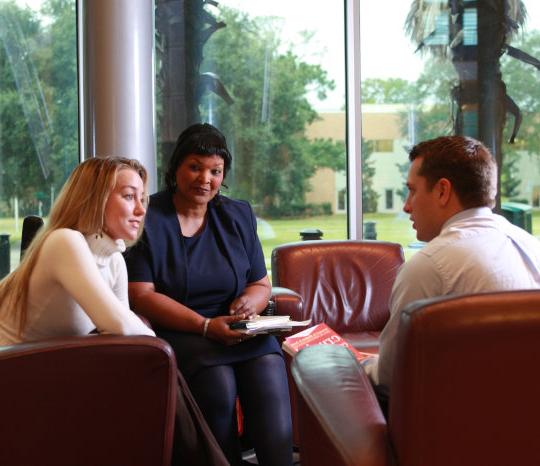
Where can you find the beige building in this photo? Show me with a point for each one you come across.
(328, 186)
(390, 129)
(381, 125)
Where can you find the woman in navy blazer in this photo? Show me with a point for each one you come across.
(199, 267)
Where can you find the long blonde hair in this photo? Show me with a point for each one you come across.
(79, 206)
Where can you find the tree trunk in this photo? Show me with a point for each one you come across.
(178, 27)
(492, 91)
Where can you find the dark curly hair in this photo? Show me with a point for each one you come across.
(198, 139)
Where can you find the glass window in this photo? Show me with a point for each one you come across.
(271, 76)
(429, 72)
(38, 111)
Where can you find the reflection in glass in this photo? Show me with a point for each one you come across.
(271, 77)
(446, 67)
(38, 108)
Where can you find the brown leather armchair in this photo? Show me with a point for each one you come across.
(93, 400)
(345, 284)
(465, 390)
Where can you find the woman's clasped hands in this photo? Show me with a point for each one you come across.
(219, 330)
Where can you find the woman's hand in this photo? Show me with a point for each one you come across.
(244, 305)
(219, 330)
(253, 300)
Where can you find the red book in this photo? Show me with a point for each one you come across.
(320, 334)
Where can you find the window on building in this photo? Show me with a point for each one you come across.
(383, 145)
(342, 200)
(389, 199)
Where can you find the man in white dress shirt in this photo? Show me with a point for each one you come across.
(452, 184)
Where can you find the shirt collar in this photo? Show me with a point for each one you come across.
(103, 247)
(466, 214)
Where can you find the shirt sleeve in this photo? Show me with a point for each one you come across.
(73, 266)
(417, 279)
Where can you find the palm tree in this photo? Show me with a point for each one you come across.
(474, 35)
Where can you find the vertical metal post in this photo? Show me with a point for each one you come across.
(116, 46)
(354, 118)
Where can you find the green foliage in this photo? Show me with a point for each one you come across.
(16, 145)
(509, 175)
(369, 195)
(265, 125)
(403, 192)
(432, 104)
(38, 101)
(328, 153)
(523, 85)
(387, 91)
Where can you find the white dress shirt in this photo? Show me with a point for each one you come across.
(476, 251)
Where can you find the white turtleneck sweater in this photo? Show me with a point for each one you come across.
(78, 284)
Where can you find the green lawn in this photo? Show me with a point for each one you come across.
(7, 226)
(390, 227)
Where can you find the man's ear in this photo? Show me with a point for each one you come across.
(444, 191)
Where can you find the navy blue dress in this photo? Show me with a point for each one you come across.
(205, 272)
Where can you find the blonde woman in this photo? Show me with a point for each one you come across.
(73, 277)
(73, 280)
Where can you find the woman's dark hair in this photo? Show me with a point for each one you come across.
(198, 139)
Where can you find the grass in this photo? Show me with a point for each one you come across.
(394, 227)
(7, 226)
(390, 227)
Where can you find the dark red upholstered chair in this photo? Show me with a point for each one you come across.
(94, 400)
(465, 390)
(345, 284)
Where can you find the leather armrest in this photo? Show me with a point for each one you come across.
(81, 341)
(340, 420)
(287, 302)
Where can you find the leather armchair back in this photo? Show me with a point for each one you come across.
(31, 225)
(464, 392)
(92, 400)
(466, 385)
(345, 284)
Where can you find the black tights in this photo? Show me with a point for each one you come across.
(261, 385)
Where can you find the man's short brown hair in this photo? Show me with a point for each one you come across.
(465, 162)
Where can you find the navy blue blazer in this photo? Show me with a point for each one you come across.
(160, 255)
